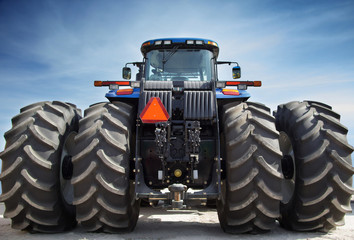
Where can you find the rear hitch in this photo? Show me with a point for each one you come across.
(177, 190)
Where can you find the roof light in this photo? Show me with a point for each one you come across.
(199, 42)
(213, 43)
(167, 42)
(154, 111)
(146, 44)
(190, 42)
(158, 42)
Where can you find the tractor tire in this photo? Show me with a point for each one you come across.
(104, 194)
(322, 171)
(251, 190)
(37, 198)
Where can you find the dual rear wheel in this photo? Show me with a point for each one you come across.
(54, 174)
(295, 168)
(317, 195)
(35, 193)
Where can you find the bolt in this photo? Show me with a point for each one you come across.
(150, 183)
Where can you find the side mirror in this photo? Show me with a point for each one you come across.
(127, 73)
(236, 72)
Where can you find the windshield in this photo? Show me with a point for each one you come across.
(179, 65)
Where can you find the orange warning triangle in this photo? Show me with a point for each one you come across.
(154, 111)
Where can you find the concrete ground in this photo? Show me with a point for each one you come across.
(168, 224)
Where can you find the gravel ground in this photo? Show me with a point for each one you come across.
(167, 224)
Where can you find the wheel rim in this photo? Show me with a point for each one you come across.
(66, 188)
(288, 167)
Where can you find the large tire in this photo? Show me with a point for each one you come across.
(104, 193)
(323, 169)
(251, 191)
(31, 176)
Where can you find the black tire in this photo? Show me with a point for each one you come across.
(323, 166)
(31, 171)
(104, 193)
(251, 191)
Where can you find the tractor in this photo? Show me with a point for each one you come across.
(177, 137)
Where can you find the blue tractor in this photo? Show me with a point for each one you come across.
(177, 137)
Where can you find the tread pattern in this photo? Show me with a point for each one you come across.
(104, 199)
(323, 166)
(252, 189)
(31, 162)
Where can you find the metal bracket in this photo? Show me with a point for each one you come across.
(193, 137)
(161, 138)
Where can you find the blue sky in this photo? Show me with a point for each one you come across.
(54, 50)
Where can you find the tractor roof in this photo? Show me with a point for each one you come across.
(186, 43)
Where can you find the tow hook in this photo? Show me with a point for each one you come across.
(177, 190)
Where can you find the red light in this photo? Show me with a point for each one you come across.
(230, 92)
(154, 112)
(124, 91)
(107, 83)
(257, 83)
(247, 83)
(123, 83)
(232, 83)
(98, 83)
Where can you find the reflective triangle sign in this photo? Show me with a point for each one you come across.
(154, 111)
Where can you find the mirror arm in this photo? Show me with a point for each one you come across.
(229, 63)
(137, 64)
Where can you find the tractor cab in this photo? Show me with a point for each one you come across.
(177, 59)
